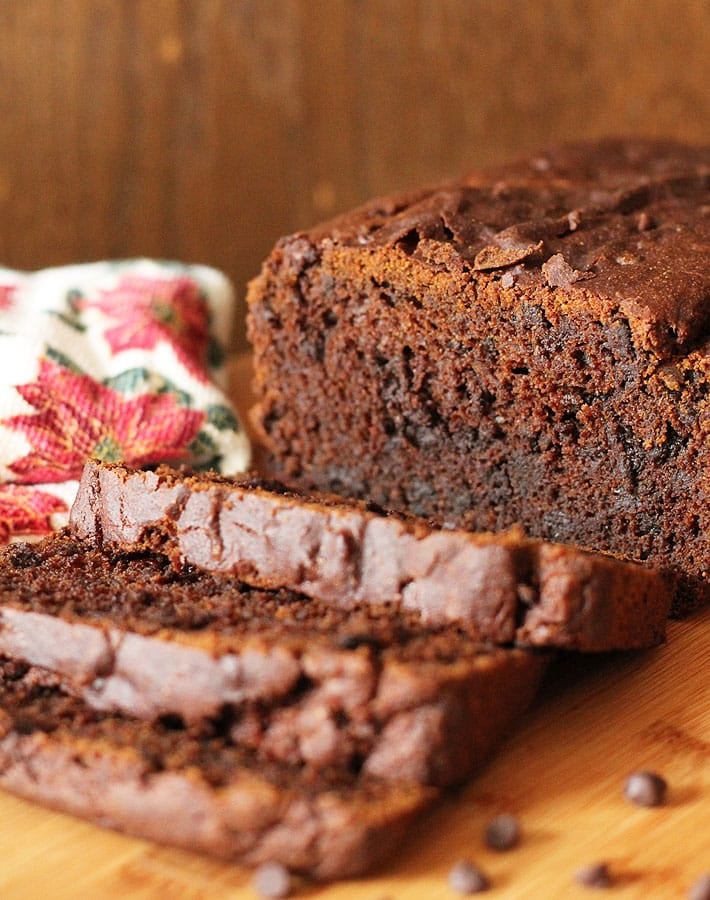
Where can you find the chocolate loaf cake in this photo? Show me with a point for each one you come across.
(290, 679)
(528, 345)
(500, 588)
(198, 791)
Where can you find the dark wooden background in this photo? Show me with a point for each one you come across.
(204, 129)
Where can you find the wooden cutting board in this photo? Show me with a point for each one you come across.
(562, 772)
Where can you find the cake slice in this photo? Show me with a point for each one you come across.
(197, 791)
(528, 345)
(501, 588)
(290, 679)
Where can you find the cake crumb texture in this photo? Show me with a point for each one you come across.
(529, 345)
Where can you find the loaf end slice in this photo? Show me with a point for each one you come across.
(201, 794)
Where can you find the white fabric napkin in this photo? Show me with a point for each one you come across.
(122, 361)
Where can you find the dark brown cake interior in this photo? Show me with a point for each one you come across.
(142, 592)
(526, 346)
(287, 678)
(36, 703)
(198, 791)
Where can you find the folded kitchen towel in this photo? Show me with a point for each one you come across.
(113, 360)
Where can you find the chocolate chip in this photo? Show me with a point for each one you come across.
(595, 875)
(272, 880)
(503, 832)
(700, 889)
(645, 789)
(466, 878)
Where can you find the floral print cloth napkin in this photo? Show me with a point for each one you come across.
(121, 361)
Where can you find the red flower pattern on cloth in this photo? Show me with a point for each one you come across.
(26, 511)
(77, 417)
(148, 310)
(7, 292)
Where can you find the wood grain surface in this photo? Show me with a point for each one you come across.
(205, 129)
(562, 772)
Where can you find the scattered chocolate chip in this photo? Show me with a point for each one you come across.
(503, 832)
(272, 880)
(595, 875)
(645, 789)
(466, 878)
(700, 889)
